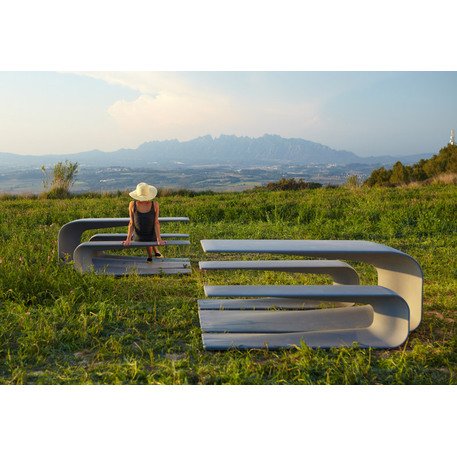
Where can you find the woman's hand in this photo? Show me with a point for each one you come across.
(126, 242)
(161, 242)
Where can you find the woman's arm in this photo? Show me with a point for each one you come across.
(157, 224)
(130, 230)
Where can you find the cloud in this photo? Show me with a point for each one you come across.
(147, 83)
(171, 115)
(171, 105)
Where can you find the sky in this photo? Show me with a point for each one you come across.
(368, 113)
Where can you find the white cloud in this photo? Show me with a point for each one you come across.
(148, 83)
(170, 115)
(169, 106)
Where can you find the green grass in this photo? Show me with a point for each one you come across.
(60, 327)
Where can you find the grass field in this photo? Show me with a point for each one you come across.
(60, 327)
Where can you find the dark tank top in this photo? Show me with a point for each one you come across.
(143, 224)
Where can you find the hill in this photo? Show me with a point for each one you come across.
(443, 163)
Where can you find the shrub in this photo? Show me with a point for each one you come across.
(170, 192)
(353, 181)
(63, 177)
(289, 184)
(445, 178)
(57, 192)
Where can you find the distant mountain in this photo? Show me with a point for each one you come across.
(206, 150)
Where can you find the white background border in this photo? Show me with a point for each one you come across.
(227, 35)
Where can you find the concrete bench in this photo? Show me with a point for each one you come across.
(341, 273)
(383, 322)
(70, 234)
(265, 303)
(89, 256)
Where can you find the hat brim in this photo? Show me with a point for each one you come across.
(144, 198)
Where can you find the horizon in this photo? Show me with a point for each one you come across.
(368, 113)
(213, 137)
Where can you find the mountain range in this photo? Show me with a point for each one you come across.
(206, 150)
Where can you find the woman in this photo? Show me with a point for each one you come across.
(144, 218)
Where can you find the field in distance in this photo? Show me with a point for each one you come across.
(197, 178)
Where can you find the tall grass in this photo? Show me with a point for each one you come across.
(58, 326)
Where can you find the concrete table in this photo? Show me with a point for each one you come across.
(387, 313)
(397, 271)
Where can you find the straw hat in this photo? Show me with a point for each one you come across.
(143, 192)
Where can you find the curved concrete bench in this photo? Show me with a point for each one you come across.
(123, 236)
(88, 257)
(396, 270)
(70, 234)
(383, 323)
(264, 304)
(341, 273)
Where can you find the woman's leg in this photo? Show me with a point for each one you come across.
(149, 251)
(156, 249)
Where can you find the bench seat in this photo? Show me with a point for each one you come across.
(123, 236)
(90, 256)
(341, 272)
(213, 321)
(267, 303)
(122, 265)
(313, 292)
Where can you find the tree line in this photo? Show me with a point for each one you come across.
(443, 162)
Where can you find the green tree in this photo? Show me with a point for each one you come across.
(399, 174)
(417, 172)
(379, 177)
